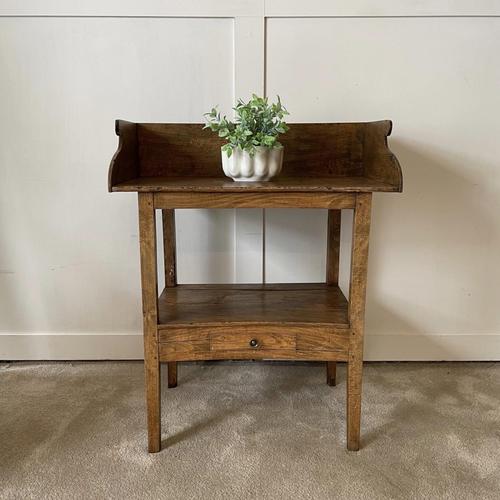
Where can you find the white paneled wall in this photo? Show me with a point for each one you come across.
(69, 251)
(433, 261)
(69, 264)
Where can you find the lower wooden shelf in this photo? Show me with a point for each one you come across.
(273, 321)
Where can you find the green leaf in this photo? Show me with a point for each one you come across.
(256, 123)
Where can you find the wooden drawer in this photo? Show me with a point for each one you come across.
(322, 341)
(243, 341)
(251, 340)
(183, 343)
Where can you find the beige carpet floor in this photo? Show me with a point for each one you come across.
(249, 430)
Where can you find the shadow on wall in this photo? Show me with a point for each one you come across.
(432, 250)
(432, 253)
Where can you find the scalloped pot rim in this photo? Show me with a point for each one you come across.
(265, 164)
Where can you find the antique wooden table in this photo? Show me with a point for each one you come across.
(333, 166)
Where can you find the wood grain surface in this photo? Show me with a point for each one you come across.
(311, 333)
(147, 238)
(333, 166)
(236, 340)
(170, 269)
(169, 247)
(278, 184)
(331, 373)
(357, 294)
(304, 304)
(348, 157)
(332, 271)
(181, 352)
(254, 200)
(379, 161)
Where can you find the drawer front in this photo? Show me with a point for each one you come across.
(182, 343)
(184, 350)
(252, 340)
(322, 341)
(264, 341)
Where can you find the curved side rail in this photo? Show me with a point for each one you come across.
(124, 165)
(379, 161)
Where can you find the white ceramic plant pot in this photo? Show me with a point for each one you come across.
(264, 164)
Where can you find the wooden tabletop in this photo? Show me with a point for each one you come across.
(279, 184)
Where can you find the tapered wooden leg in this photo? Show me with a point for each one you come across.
(332, 273)
(354, 378)
(357, 294)
(331, 373)
(153, 404)
(169, 259)
(172, 374)
(147, 237)
(333, 247)
(169, 247)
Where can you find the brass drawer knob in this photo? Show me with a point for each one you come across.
(254, 343)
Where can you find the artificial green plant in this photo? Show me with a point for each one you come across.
(256, 123)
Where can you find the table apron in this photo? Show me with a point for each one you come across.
(254, 200)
